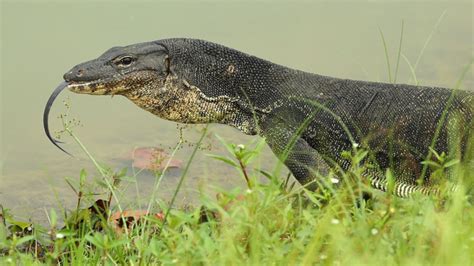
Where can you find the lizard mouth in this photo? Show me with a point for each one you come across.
(97, 87)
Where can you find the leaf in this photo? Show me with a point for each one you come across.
(117, 243)
(96, 240)
(436, 154)
(53, 217)
(123, 172)
(82, 176)
(431, 163)
(69, 182)
(24, 240)
(346, 154)
(451, 163)
(266, 174)
(258, 148)
(224, 159)
(273, 179)
(130, 179)
(3, 234)
(311, 196)
(248, 156)
(360, 156)
(20, 224)
(82, 181)
(390, 181)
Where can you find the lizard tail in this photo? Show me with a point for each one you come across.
(402, 189)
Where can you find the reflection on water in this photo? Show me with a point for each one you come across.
(41, 41)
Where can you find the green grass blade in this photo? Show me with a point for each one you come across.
(386, 56)
(412, 70)
(399, 53)
(183, 175)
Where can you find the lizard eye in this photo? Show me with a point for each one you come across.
(125, 61)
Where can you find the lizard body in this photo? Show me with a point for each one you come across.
(307, 119)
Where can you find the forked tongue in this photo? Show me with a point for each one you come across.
(47, 108)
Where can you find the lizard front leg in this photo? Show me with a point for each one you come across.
(304, 162)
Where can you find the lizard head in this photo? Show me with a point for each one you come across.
(181, 80)
(155, 79)
(120, 69)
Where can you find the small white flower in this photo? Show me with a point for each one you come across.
(248, 191)
(174, 261)
(334, 180)
(59, 235)
(374, 231)
(323, 256)
(355, 145)
(241, 146)
(334, 221)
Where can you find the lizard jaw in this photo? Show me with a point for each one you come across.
(118, 84)
(98, 87)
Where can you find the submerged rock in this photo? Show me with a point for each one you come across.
(153, 159)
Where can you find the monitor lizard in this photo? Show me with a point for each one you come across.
(308, 120)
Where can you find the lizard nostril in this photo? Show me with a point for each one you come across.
(68, 76)
(74, 74)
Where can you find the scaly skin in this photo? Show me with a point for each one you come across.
(308, 120)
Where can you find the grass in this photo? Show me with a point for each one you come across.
(270, 222)
(266, 224)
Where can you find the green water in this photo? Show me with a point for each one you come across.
(41, 41)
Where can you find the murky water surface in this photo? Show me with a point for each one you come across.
(41, 41)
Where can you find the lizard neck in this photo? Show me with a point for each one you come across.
(249, 86)
(176, 100)
(221, 71)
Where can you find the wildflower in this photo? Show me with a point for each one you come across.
(323, 256)
(334, 221)
(241, 146)
(248, 191)
(355, 145)
(374, 231)
(334, 180)
(59, 235)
